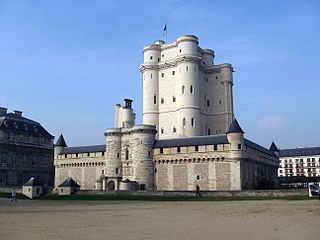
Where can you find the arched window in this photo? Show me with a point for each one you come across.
(182, 89)
(162, 131)
(184, 122)
(162, 100)
(173, 99)
(192, 122)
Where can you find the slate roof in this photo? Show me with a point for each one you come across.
(69, 182)
(61, 142)
(295, 152)
(84, 149)
(235, 127)
(206, 140)
(273, 147)
(258, 147)
(14, 122)
(192, 141)
(33, 182)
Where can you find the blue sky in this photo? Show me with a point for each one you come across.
(66, 63)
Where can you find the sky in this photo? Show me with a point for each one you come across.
(66, 63)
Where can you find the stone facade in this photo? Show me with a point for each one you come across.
(85, 165)
(184, 92)
(26, 150)
(188, 137)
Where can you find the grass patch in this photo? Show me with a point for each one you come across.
(169, 198)
(8, 195)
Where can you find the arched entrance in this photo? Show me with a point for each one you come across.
(110, 185)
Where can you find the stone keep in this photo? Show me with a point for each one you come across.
(184, 92)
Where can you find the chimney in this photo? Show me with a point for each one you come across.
(18, 113)
(3, 111)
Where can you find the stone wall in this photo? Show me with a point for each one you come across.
(185, 175)
(246, 193)
(84, 170)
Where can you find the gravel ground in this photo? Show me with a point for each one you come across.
(274, 219)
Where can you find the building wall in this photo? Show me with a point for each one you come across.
(184, 93)
(213, 169)
(308, 166)
(129, 154)
(26, 150)
(84, 168)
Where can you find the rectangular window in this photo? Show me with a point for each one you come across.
(117, 170)
(196, 148)
(33, 162)
(162, 74)
(4, 159)
(154, 99)
(239, 146)
(215, 147)
(161, 150)
(127, 154)
(88, 154)
(3, 177)
(208, 103)
(178, 149)
(173, 72)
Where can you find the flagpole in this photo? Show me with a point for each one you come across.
(166, 32)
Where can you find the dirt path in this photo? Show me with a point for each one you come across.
(160, 220)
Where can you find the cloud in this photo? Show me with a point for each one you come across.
(271, 121)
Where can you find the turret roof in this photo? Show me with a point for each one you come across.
(235, 127)
(33, 182)
(61, 142)
(69, 182)
(273, 147)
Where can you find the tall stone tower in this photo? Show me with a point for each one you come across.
(184, 92)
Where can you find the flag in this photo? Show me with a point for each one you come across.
(165, 30)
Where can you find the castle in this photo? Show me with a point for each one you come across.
(189, 135)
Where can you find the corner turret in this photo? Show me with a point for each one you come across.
(59, 146)
(274, 149)
(236, 139)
